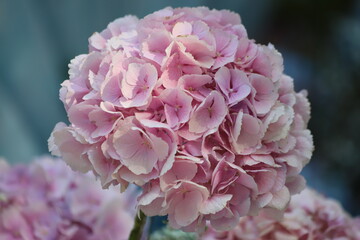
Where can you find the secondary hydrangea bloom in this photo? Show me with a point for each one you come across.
(309, 216)
(47, 200)
(185, 105)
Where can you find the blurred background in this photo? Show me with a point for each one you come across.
(319, 40)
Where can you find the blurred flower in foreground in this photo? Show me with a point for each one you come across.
(185, 105)
(310, 216)
(47, 200)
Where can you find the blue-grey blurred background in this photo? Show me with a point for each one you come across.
(320, 42)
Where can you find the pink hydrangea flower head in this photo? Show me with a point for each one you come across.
(185, 105)
(47, 200)
(309, 216)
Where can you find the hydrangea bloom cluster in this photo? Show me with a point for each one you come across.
(47, 200)
(309, 216)
(185, 105)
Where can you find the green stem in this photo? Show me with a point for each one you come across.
(139, 223)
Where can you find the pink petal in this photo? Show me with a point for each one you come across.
(265, 180)
(265, 93)
(182, 29)
(215, 204)
(226, 47)
(155, 45)
(195, 52)
(71, 146)
(280, 199)
(247, 133)
(181, 170)
(137, 85)
(110, 90)
(209, 114)
(177, 106)
(295, 184)
(188, 210)
(194, 85)
(233, 83)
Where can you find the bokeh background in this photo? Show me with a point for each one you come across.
(319, 40)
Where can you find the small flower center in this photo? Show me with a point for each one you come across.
(146, 144)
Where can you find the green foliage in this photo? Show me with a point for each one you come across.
(167, 233)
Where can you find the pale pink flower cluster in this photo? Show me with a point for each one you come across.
(310, 216)
(47, 200)
(185, 105)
